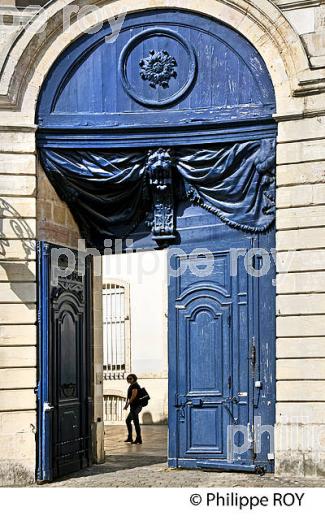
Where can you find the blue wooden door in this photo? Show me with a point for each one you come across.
(64, 393)
(113, 118)
(221, 338)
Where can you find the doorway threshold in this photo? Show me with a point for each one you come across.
(223, 466)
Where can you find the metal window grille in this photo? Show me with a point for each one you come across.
(116, 330)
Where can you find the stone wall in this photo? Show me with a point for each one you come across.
(54, 220)
(17, 307)
(301, 297)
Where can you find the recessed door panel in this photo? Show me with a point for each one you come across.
(205, 362)
(68, 343)
(205, 432)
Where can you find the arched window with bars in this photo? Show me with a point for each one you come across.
(113, 407)
(116, 329)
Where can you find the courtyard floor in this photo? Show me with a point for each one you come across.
(145, 466)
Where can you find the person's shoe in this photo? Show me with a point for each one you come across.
(128, 440)
(137, 441)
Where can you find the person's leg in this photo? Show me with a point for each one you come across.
(135, 416)
(129, 427)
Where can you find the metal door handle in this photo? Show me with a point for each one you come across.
(197, 402)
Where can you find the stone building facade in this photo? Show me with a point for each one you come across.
(290, 36)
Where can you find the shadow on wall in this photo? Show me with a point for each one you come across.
(147, 419)
(18, 271)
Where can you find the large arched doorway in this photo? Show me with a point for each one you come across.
(164, 136)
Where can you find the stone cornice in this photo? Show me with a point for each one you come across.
(298, 115)
(288, 5)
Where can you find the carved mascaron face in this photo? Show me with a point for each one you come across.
(159, 163)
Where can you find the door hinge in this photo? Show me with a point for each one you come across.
(250, 434)
(36, 390)
(251, 439)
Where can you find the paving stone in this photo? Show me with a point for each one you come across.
(146, 466)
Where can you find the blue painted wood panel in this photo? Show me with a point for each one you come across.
(165, 68)
(215, 320)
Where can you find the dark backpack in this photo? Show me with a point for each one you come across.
(143, 397)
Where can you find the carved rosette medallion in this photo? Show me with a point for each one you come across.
(158, 68)
(154, 78)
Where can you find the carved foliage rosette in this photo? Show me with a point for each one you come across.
(158, 68)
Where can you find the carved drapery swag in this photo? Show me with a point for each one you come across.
(110, 193)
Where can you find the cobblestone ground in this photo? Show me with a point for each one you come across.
(145, 466)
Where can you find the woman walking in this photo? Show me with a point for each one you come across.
(133, 402)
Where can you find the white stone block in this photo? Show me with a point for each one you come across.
(17, 272)
(296, 304)
(289, 153)
(17, 313)
(298, 326)
(300, 390)
(18, 447)
(303, 20)
(300, 347)
(18, 228)
(17, 422)
(18, 207)
(17, 163)
(300, 282)
(18, 335)
(17, 185)
(309, 127)
(296, 369)
(313, 238)
(13, 378)
(304, 173)
(24, 249)
(17, 357)
(295, 261)
(18, 292)
(304, 195)
(17, 400)
(305, 412)
(295, 218)
(22, 142)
